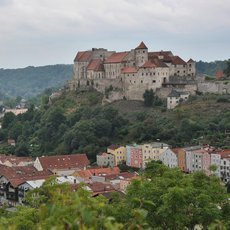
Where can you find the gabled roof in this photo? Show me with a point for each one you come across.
(129, 70)
(190, 61)
(83, 56)
(149, 64)
(176, 60)
(64, 161)
(160, 53)
(87, 174)
(15, 160)
(174, 93)
(141, 46)
(96, 65)
(116, 57)
(19, 175)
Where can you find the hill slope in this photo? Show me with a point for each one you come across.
(30, 81)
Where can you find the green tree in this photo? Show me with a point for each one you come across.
(227, 69)
(148, 97)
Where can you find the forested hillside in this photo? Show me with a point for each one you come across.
(30, 81)
(77, 122)
(210, 68)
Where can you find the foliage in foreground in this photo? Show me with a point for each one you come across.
(162, 198)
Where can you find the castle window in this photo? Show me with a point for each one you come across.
(184, 71)
(190, 65)
(133, 74)
(128, 75)
(154, 81)
(141, 81)
(134, 82)
(178, 71)
(130, 81)
(150, 74)
(146, 74)
(153, 73)
(142, 74)
(143, 51)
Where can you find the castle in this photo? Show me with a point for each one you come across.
(128, 74)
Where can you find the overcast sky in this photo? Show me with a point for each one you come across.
(44, 32)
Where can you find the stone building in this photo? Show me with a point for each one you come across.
(129, 73)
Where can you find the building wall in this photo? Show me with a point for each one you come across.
(119, 154)
(136, 157)
(149, 152)
(38, 165)
(169, 158)
(216, 160)
(106, 160)
(225, 169)
(181, 156)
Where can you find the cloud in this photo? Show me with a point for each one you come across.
(81, 24)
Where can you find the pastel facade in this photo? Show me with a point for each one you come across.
(119, 153)
(181, 157)
(198, 160)
(105, 159)
(169, 158)
(134, 156)
(152, 152)
(130, 72)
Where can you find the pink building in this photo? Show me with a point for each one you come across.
(136, 157)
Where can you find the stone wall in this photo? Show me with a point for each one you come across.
(214, 87)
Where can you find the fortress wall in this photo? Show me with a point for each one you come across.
(214, 87)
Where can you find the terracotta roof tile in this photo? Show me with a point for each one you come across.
(219, 74)
(64, 161)
(149, 64)
(141, 46)
(129, 70)
(116, 57)
(83, 56)
(176, 60)
(87, 174)
(15, 161)
(18, 175)
(96, 65)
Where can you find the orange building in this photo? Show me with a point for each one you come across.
(181, 156)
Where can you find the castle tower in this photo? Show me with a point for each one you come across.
(141, 54)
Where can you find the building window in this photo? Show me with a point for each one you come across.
(154, 81)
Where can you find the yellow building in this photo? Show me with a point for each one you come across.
(152, 152)
(119, 153)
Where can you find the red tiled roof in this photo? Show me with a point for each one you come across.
(83, 56)
(96, 65)
(190, 61)
(176, 60)
(149, 64)
(64, 161)
(19, 175)
(129, 70)
(141, 46)
(116, 57)
(15, 160)
(219, 74)
(225, 153)
(87, 174)
(98, 187)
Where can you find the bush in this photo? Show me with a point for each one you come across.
(222, 99)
